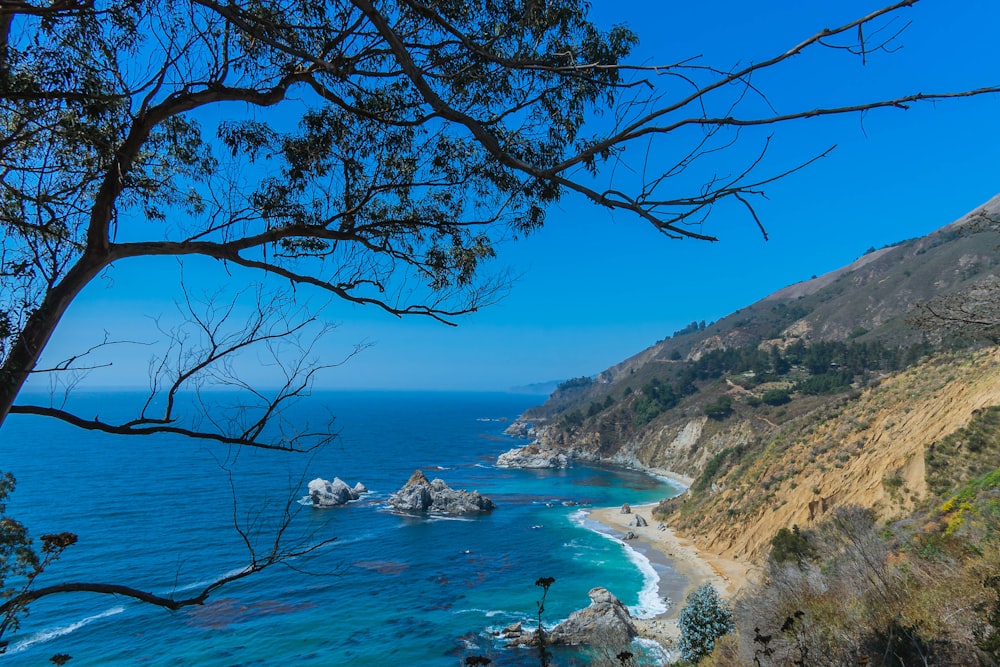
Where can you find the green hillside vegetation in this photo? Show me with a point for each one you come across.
(770, 377)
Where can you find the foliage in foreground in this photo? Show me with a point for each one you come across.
(856, 593)
(704, 619)
(20, 564)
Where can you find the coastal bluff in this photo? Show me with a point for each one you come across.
(421, 495)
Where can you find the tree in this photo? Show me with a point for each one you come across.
(704, 618)
(370, 152)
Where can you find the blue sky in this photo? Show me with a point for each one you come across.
(595, 288)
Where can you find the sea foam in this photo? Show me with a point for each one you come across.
(650, 605)
(53, 633)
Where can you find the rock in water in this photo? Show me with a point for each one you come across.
(420, 495)
(606, 622)
(324, 493)
(532, 456)
(513, 630)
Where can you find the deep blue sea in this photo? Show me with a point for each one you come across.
(158, 513)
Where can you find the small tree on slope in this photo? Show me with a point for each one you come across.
(704, 618)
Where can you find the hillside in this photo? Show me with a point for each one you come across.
(868, 450)
(727, 403)
(838, 446)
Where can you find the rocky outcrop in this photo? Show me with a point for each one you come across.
(421, 495)
(532, 456)
(324, 493)
(512, 631)
(519, 429)
(605, 622)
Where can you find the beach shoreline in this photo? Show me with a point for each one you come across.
(694, 565)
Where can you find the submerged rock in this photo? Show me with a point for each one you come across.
(324, 493)
(532, 456)
(420, 495)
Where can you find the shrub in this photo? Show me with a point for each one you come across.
(714, 465)
(776, 396)
(791, 545)
(704, 618)
(720, 409)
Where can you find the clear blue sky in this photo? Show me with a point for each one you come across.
(595, 288)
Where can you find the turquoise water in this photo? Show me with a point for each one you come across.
(158, 514)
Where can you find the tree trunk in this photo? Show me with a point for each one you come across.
(37, 331)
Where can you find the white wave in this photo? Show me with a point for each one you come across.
(202, 584)
(656, 651)
(446, 517)
(488, 613)
(649, 604)
(53, 633)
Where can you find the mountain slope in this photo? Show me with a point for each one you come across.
(822, 394)
(868, 451)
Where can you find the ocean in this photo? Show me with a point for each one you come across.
(158, 514)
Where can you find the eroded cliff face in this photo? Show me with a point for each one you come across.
(684, 444)
(757, 472)
(869, 451)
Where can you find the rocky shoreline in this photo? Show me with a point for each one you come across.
(695, 565)
(691, 563)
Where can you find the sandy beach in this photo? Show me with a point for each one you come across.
(698, 567)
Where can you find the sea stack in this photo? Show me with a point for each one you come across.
(324, 493)
(421, 495)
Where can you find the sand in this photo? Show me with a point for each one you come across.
(698, 567)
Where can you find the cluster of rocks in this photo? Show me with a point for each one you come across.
(417, 495)
(520, 429)
(637, 522)
(606, 621)
(532, 456)
(421, 495)
(324, 493)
